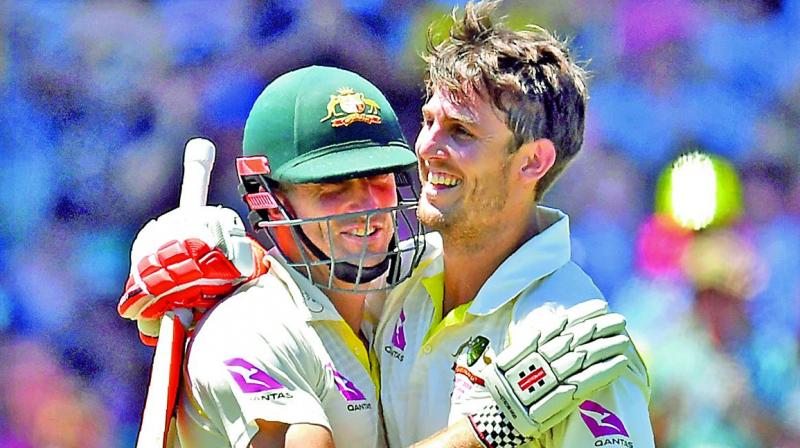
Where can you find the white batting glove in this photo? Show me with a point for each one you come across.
(187, 259)
(546, 372)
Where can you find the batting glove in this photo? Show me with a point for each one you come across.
(186, 260)
(547, 372)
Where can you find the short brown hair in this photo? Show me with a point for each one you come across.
(527, 74)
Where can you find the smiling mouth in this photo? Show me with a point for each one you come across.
(442, 180)
(361, 231)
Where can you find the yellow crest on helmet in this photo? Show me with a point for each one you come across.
(348, 107)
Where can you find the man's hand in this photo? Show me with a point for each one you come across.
(547, 371)
(187, 259)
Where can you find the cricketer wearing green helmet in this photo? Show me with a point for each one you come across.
(283, 360)
(341, 130)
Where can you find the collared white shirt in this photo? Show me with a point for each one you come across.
(277, 350)
(416, 345)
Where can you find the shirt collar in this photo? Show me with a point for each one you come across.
(540, 256)
(312, 302)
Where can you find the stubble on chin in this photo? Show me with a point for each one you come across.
(468, 226)
(454, 225)
(431, 217)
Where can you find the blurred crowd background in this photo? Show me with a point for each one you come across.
(98, 97)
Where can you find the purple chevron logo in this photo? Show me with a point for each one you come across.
(600, 421)
(399, 334)
(250, 378)
(349, 390)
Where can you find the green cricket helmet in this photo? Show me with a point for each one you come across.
(327, 125)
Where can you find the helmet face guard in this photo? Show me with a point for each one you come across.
(359, 271)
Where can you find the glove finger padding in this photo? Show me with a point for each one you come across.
(218, 227)
(187, 258)
(598, 376)
(586, 310)
(549, 322)
(570, 355)
(596, 327)
(180, 274)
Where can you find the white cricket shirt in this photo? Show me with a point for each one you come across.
(277, 350)
(416, 345)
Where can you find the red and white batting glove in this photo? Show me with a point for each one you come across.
(185, 261)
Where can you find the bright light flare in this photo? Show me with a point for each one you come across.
(694, 191)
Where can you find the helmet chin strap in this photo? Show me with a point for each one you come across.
(344, 271)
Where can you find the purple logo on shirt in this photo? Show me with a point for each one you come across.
(349, 390)
(601, 421)
(250, 378)
(399, 335)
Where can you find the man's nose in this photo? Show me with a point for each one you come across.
(430, 144)
(362, 196)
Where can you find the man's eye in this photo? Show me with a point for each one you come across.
(381, 179)
(462, 131)
(426, 123)
(329, 189)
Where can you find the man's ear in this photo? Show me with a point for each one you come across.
(535, 159)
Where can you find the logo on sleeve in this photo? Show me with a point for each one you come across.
(250, 378)
(604, 423)
(398, 338)
(349, 391)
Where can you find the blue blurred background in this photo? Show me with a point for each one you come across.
(98, 97)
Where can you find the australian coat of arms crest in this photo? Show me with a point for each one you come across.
(350, 107)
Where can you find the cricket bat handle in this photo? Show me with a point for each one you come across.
(198, 159)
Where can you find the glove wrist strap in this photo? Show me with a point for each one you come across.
(493, 430)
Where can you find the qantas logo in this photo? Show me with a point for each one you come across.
(398, 339)
(250, 378)
(348, 390)
(399, 334)
(600, 421)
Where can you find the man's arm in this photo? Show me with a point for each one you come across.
(281, 435)
(614, 416)
(541, 379)
(457, 435)
(250, 374)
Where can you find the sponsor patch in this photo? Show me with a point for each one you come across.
(600, 421)
(394, 353)
(533, 378)
(269, 396)
(399, 334)
(474, 379)
(346, 387)
(250, 378)
(359, 407)
(395, 350)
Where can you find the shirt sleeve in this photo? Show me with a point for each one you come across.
(616, 416)
(243, 375)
